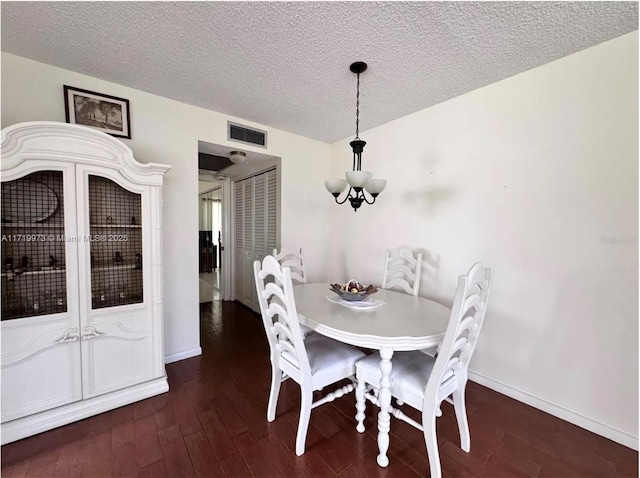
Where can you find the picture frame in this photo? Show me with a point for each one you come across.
(105, 113)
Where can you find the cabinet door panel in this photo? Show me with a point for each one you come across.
(40, 365)
(117, 349)
(116, 321)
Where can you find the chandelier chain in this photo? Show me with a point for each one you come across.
(358, 106)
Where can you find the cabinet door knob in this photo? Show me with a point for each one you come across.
(90, 332)
(69, 335)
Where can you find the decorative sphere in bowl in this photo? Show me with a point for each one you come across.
(353, 290)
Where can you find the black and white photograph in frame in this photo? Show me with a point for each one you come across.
(106, 113)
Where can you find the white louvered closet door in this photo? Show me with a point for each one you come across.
(271, 210)
(248, 284)
(238, 241)
(255, 230)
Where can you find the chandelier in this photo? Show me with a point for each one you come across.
(359, 181)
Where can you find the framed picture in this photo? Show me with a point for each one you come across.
(102, 112)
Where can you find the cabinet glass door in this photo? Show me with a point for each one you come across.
(40, 326)
(115, 230)
(33, 246)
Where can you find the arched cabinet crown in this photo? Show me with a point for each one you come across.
(82, 299)
(50, 141)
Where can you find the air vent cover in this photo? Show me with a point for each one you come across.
(243, 134)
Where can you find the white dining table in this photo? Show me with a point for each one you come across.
(403, 322)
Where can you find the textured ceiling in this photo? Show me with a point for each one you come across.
(286, 64)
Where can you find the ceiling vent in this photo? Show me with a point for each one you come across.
(237, 132)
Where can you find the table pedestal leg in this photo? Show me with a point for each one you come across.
(384, 395)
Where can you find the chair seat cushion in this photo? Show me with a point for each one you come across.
(329, 359)
(409, 371)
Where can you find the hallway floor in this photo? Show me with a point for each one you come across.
(209, 284)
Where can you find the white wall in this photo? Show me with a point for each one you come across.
(166, 131)
(537, 177)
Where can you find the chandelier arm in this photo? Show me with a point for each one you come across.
(364, 196)
(346, 197)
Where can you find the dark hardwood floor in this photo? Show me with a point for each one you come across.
(212, 422)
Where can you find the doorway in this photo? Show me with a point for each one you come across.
(218, 169)
(210, 243)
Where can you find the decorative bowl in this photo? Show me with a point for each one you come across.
(353, 290)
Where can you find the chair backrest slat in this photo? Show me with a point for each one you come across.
(293, 258)
(283, 333)
(402, 269)
(292, 356)
(274, 292)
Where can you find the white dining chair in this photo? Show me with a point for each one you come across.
(402, 269)
(314, 362)
(293, 258)
(424, 382)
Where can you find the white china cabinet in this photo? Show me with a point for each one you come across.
(81, 282)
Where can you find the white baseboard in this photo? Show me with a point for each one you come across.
(562, 413)
(183, 355)
(56, 417)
